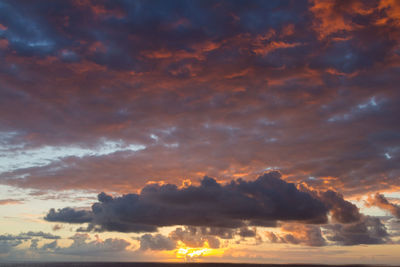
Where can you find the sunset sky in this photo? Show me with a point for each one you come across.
(214, 131)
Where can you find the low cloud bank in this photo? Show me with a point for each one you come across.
(236, 204)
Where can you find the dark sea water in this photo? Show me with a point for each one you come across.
(148, 264)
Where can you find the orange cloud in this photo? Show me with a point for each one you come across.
(380, 201)
(392, 9)
(10, 201)
(264, 50)
(330, 15)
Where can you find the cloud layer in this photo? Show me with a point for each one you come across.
(225, 90)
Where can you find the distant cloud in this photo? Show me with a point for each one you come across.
(40, 234)
(194, 237)
(381, 201)
(29, 235)
(369, 230)
(10, 242)
(82, 245)
(57, 227)
(156, 242)
(309, 235)
(11, 201)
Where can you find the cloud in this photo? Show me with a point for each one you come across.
(57, 227)
(156, 242)
(10, 242)
(68, 215)
(194, 237)
(49, 246)
(10, 201)
(14, 237)
(246, 79)
(7, 245)
(246, 232)
(341, 210)
(309, 235)
(232, 205)
(370, 230)
(29, 235)
(380, 201)
(82, 245)
(40, 234)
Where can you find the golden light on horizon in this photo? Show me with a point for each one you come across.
(193, 253)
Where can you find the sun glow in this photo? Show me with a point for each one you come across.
(191, 254)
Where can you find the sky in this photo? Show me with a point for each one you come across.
(200, 131)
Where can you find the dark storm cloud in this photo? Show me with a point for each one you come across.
(306, 87)
(266, 199)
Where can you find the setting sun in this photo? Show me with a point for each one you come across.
(191, 254)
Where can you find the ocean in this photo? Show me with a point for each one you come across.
(149, 264)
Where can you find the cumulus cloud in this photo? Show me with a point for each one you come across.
(370, 230)
(44, 246)
(9, 242)
(382, 202)
(83, 245)
(68, 215)
(7, 245)
(156, 242)
(232, 205)
(194, 237)
(341, 210)
(309, 235)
